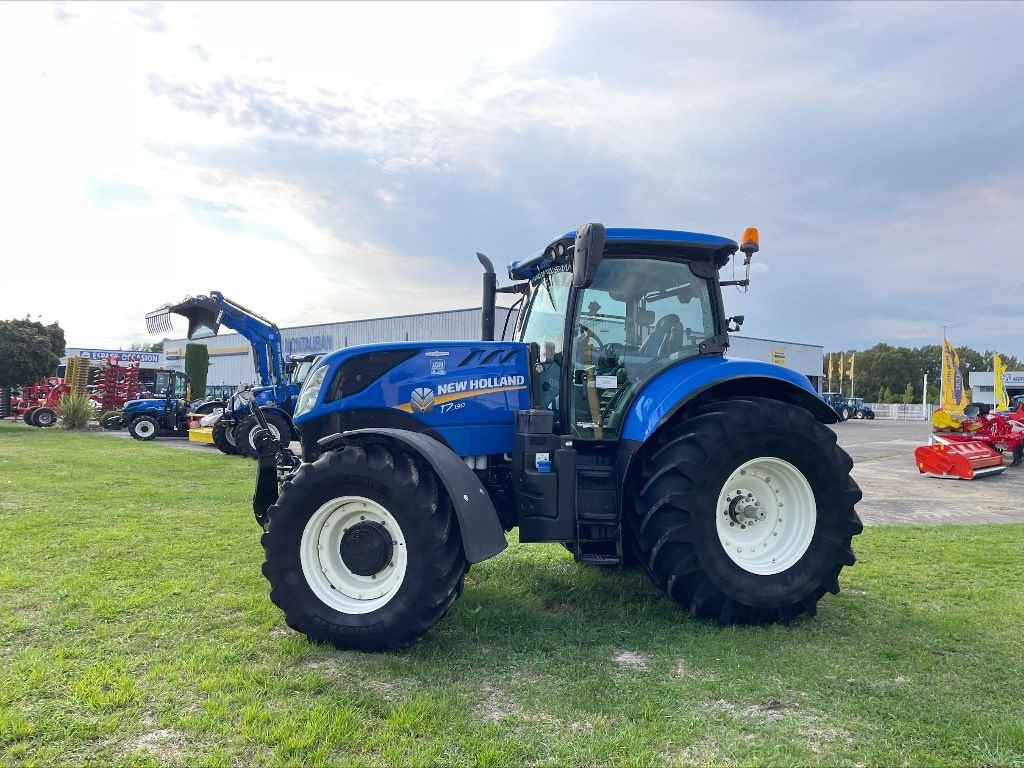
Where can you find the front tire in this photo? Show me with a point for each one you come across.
(363, 549)
(224, 437)
(144, 428)
(245, 432)
(744, 512)
(858, 414)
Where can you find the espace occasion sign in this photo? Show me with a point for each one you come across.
(106, 354)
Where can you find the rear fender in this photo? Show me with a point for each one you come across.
(482, 534)
(664, 396)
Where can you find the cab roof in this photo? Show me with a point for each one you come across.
(624, 240)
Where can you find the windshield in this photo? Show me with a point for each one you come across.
(302, 371)
(542, 326)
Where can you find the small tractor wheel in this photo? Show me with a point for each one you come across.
(870, 415)
(245, 432)
(224, 438)
(363, 549)
(744, 512)
(144, 428)
(858, 414)
(844, 413)
(44, 417)
(29, 415)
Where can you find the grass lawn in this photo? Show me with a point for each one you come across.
(135, 628)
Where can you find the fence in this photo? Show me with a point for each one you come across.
(901, 412)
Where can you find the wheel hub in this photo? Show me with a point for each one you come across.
(744, 509)
(366, 548)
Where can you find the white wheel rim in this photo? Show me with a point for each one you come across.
(766, 516)
(144, 428)
(273, 430)
(325, 571)
(44, 419)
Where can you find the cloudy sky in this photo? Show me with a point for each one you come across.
(330, 162)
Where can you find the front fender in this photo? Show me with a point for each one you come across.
(665, 394)
(482, 535)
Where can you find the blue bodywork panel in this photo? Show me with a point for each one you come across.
(459, 389)
(527, 268)
(659, 396)
(140, 407)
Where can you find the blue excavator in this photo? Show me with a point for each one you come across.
(280, 378)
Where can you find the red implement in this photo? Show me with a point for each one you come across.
(960, 460)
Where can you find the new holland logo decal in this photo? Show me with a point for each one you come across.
(425, 399)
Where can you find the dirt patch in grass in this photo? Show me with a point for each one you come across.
(167, 744)
(497, 705)
(631, 660)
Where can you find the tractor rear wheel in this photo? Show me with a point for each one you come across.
(363, 549)
(28, 415)
(224, 437)
(844, 413)
(245, 432)
(744, 512)
(44, 417)
(144, 428)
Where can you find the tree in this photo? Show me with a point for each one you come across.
(142, 346)
(908, 394)
(29, 351)
(197, 366)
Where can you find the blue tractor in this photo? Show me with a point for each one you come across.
(280, 379)
(162, 411)
(615, 424)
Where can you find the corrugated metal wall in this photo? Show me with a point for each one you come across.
(802, 358)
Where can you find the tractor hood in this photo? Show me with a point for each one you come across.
(143, 405)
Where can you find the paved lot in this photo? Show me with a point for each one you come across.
(896, 493)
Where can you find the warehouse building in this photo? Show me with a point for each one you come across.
(983, 387)
(231, 359)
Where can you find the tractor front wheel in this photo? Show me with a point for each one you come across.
(858, 414)
(744, 512)
(224, 437)
(144, 428)
(29, 415)
(245, 432)
(363, 549)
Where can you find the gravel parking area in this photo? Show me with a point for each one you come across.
(895, 493)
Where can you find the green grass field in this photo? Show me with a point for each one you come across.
(135, 629)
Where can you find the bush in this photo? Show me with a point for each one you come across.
(75, 410)
(197, 366)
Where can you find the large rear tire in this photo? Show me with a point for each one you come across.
(224, 437)
(744, 512)
(363, 549)
(44, 417)
(844, 413)
(245, 432)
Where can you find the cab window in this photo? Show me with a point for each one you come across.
(638, 317)
(542, 326)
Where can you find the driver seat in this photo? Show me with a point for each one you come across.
(666, 338)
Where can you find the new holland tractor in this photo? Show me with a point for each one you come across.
(615, 425)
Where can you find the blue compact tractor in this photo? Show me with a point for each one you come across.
(163, 411)
(615, 424)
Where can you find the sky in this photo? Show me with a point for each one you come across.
(324, 162)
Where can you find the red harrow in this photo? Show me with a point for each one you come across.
(976, 448)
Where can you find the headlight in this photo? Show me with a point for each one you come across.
(310, 389)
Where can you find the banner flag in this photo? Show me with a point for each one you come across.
(954, 393)
(1002, 397)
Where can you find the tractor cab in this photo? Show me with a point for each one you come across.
(598, 330)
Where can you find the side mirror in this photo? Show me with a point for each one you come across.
(587, 254)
